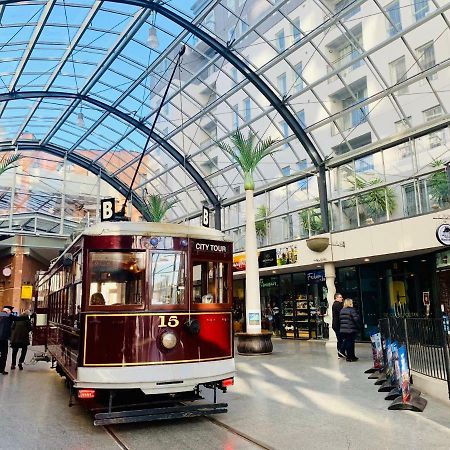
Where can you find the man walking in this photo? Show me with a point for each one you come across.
(5, 333)
(336, 309)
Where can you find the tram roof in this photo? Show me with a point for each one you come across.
(155, 229)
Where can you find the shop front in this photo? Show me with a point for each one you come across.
(401, 288)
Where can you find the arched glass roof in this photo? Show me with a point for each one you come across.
(352, 73)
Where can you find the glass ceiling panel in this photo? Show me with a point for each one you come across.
(350, 78)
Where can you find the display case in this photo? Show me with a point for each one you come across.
(300, 319)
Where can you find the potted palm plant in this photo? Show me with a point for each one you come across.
(438, 185)
(248, 152)
(375, 202)
(157, 206)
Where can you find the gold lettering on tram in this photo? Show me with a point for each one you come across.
(172, 322)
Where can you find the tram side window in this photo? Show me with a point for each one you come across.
(167, 278)
(116, 278)
(209, 282)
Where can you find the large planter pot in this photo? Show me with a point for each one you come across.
(318, 243)
(254, 343)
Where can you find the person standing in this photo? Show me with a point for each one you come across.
(20, 338)
(336, 311)
(349, 326)
(5, 333)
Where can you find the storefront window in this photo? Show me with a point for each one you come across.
(116, 278)
(209, 282)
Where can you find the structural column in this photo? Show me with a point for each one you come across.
(330, 277)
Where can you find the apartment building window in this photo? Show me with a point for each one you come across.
(404, 149)
(357, 116)
(282, 84)
(296, 33)
(298, 82)
(343, 4)
(301, 118)
(421, 9)
(244, 24)
(247, 110)
(284, 131)
(288, 228)
(234, 75)
(286, 171)
(394, 24)
(281, 41)
(426, 57)
(398, 73)
(210, 21)
(348, 51)
(235, 117)
(363, 165)
(301, 166)
(436, 139)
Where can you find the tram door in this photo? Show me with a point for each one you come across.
(40, 311)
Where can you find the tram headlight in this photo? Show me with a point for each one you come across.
(168, 340)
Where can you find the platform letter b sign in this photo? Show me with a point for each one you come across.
(107, 209)
(205, 217)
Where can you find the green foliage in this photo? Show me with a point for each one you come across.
(8, 161)
(260, 221)
(311, 220)
(375, 202)
(247, 154)
(438, 184)
(157, 207)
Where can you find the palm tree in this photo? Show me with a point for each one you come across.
(247, 152)
(8, 161)
(157, 206)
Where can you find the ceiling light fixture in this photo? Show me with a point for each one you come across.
(80, 119)
(152, 40)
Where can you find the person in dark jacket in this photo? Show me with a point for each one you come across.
(5, 333)
(336, 310)
(349, 326)
(20, 338)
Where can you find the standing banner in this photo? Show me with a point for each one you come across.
(396, 375)
(389, 365)
(377, 350)
(404, 370)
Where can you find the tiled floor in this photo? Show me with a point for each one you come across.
(300, 397)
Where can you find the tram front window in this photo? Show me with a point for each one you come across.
(167, 280)
(209, 282)
(116, 278)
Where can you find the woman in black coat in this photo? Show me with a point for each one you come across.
(349, 326)
(20, 338)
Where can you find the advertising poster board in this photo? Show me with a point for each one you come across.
(389, 365)
(404, 370)
(377, 350)
(396, 375)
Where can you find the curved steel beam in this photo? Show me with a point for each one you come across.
(83, 162)
(16, 95)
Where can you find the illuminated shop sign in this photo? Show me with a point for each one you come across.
(315, 276)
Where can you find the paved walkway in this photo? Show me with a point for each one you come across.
(300, 397)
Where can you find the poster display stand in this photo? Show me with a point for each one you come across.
(377, 355)
(407, 401)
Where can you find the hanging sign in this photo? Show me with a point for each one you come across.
(205, 217)
(27, 292)
(107, 209)
(443, 234)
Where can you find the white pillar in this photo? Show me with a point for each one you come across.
(330, 276)
(252, 294)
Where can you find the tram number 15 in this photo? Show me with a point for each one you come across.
(172, 322)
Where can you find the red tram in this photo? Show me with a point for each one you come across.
(141, 309)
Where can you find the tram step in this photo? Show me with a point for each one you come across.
(148, 415)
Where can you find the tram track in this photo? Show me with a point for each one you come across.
(232, 430)
(123, 446)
